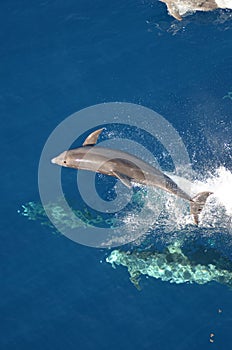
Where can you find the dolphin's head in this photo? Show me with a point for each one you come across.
(71, 158)
(61, 159)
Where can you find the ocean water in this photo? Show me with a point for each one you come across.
(58, 57)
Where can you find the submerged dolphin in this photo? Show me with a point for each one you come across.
(178, 8)
(127, 168)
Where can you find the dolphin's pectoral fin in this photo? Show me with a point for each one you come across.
(124, 179)
(198, 203)
(92, 138)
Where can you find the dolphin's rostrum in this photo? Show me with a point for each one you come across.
(127, 168)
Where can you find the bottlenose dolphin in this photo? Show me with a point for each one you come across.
(127, 168)
(178, 8)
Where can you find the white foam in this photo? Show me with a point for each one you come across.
(224, 4)
(220, 183)
(173, 214)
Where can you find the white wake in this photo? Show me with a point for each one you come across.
(168, 213)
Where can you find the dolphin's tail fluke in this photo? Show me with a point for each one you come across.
(197, 204)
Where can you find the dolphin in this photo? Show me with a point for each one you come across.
(127, 168)
(178, 8)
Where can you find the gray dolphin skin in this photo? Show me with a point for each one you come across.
(125, 167)
(179, 8)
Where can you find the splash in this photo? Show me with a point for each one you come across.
(218, 210)
(167, 213)
(221, 184)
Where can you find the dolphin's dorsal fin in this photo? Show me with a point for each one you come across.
(92, 138)
(123, 178)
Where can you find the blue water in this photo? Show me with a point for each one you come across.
(57, 57)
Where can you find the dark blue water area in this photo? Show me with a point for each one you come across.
(57, 57)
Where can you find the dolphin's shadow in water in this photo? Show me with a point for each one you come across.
(175, 264)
